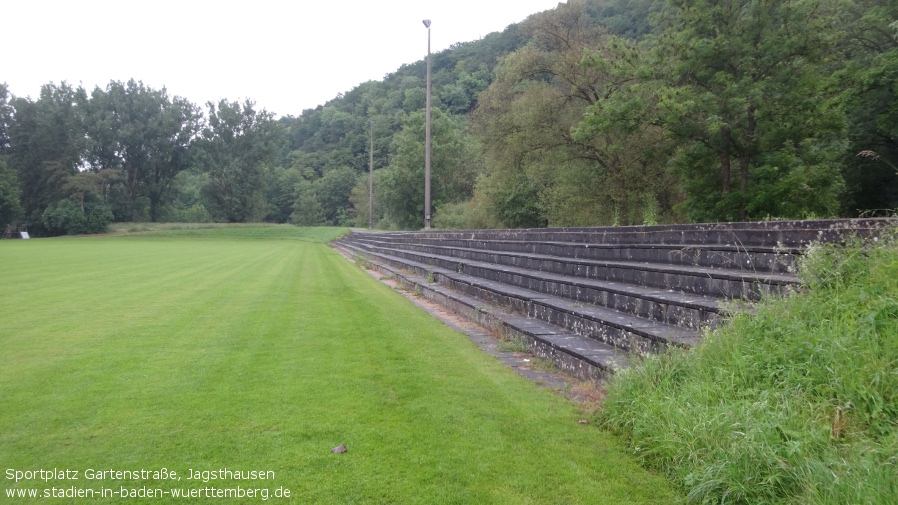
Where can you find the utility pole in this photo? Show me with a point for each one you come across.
(427, 138)
(371, 177)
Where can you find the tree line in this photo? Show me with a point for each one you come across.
(131, 153)
(599, 112)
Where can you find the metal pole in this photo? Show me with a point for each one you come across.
(371, 177)
(427, 140)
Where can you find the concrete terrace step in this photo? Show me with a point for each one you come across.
(664, 305)
(620, 330)
(706, 281)
(790, 234)
(753, 258)
(583, 357)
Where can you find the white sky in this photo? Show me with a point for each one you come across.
(285, 55)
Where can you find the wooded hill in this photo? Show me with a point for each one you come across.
(597, 112)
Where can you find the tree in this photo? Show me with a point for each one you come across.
(6, 116)
(627, 18)
(146, 135)
(281, 192)
(454, 167)
(238, 145)
(85, 185)
(333, 191)
(359, 199)
(539, 171)
(307, 210)
(870, 84)
(46, 144)
(745, 99)
(187, 206)
(10, 208)
(327, 200)
(627, 142)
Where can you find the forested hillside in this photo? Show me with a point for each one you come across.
(598, 112)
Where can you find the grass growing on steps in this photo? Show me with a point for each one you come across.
(796, 404)
(163, 351)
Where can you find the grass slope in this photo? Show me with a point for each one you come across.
(795, 404)
(228, 351)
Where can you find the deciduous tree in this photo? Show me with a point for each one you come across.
(454, 166)
(539, 171)
(238, 144)
(10, 208)
(46, 143)
(146, 135)
(746, 101)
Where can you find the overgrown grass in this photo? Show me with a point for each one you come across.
(162, 351)
(795, 404)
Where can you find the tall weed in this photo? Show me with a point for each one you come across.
(796, 403)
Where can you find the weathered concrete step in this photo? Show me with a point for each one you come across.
(623, 331)
(581, 356)
(618, 329)
(752, 258)
(713, 282)
(595, 353)
(765, 233)
(667, 306)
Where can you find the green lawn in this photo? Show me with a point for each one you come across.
(262, 350)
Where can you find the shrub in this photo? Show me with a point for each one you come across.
(196, 213)
(66, 217)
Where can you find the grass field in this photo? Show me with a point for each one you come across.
(261, 349)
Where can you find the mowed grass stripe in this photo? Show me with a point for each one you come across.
(96, 287)
(264, 354)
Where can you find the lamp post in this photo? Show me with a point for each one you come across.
(427, 137)
(371, 177)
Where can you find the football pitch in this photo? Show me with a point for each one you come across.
(223, 365)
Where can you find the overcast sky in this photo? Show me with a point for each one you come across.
(285, 55)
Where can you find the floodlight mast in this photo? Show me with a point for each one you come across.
(427, 137)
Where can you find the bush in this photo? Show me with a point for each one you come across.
(65, 217)
(472, 214)
(451, 216)
(196, 213)
(797, 403)
(307, 211)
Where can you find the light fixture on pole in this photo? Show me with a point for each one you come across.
(371, 177)
(427, 137)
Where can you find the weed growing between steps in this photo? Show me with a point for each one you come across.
(545, 365)
(511, 344)
(797, 403)
(363, 262)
